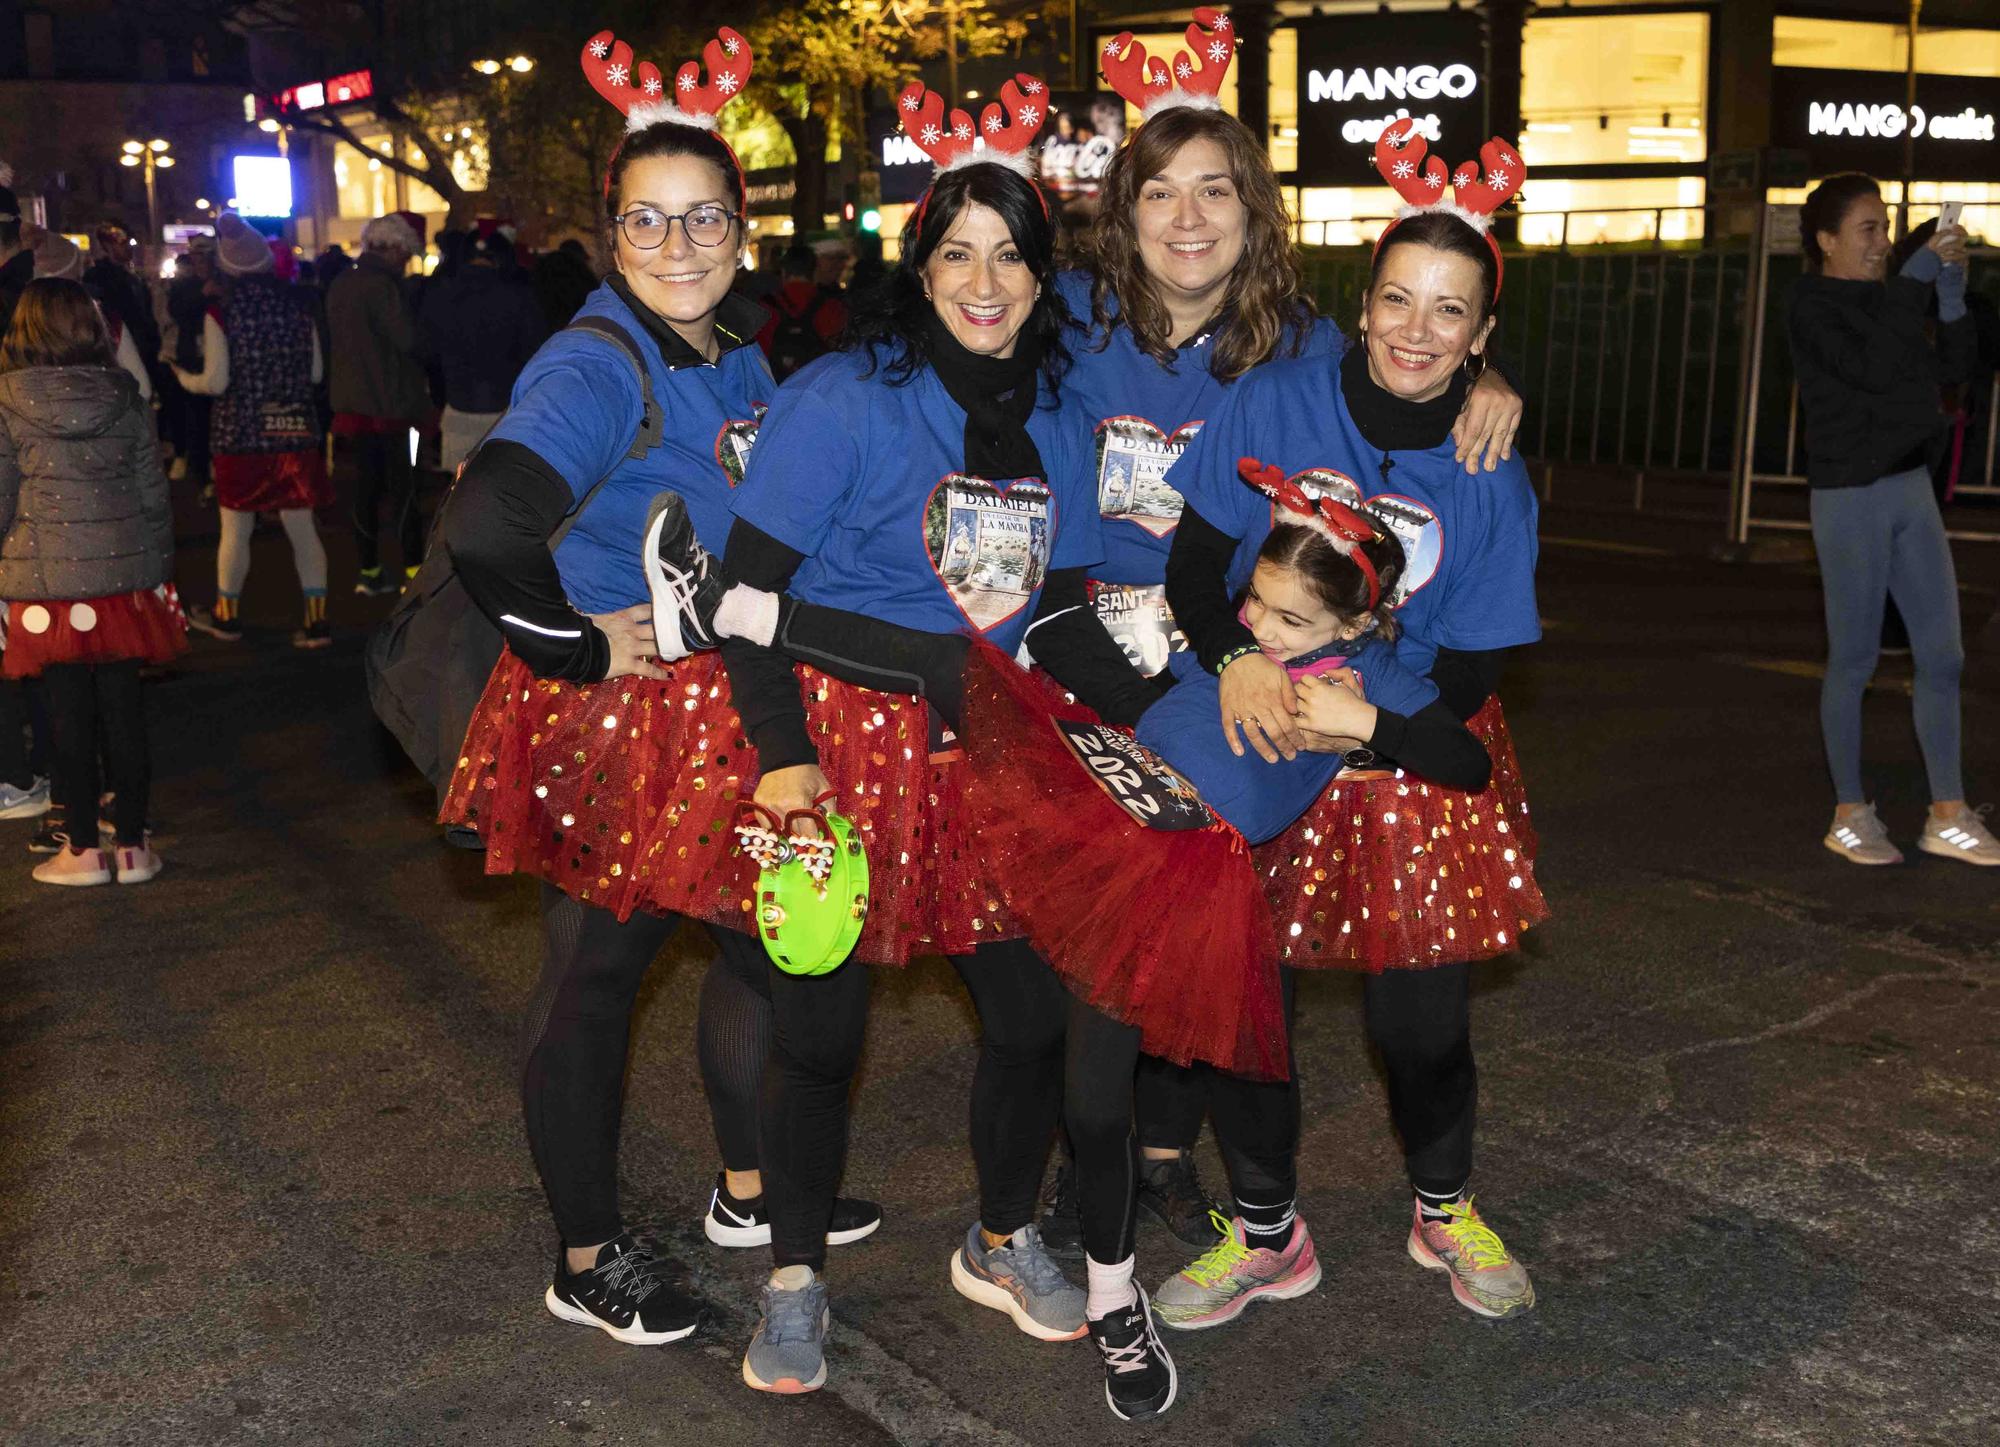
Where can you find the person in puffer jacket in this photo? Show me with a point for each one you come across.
(86, 552)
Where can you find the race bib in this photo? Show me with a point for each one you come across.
(1138, 619)
(287, 426)
(1132, 461)
(989, 543)
(1137, 779)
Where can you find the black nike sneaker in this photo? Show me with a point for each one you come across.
(686, 583)
(731, 1222)
(625, 1296)
(1139, 1379)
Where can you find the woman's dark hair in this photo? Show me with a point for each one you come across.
(56, 324)
(893, 316)
(1826, 208)
(670, 138)
(1266, 291)
(1335, 579)
(1442, 231)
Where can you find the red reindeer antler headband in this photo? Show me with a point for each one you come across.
(1007, 128)
(1402, 156)
(641, 96)
(1333, 520)
(1154, 86)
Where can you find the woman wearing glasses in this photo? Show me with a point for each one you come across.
(582, 725)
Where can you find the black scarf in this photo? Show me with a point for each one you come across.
(998, 395)
(1392, 423)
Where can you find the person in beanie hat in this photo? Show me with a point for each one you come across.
(260, 359)
(379, 393)
(57, 257)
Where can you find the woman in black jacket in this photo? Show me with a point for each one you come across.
(1869, 369)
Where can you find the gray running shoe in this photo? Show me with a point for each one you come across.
(788, 1352)
(1860, 838)
(1022, 1280)
(1964, 836)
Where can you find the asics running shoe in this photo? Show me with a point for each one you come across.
(1485, 1277)
(788, 1351)
(1216, 1286)
(1020, 1279)
(1139, 1377)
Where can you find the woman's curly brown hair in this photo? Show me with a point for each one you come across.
(1266, 290)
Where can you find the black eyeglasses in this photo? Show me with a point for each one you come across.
(647, 228)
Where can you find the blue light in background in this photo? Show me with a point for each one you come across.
(263, 185)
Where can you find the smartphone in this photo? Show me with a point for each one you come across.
(1948, 213)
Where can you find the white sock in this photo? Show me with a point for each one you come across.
(1110, 1288)
(792, 1278)
(747, 612)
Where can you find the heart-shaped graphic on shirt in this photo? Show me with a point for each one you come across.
(1416, 527)
(733, 441)
(1133, 456)
(989, 543)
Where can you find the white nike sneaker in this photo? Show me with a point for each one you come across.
(1963, 837)
(1861, 839)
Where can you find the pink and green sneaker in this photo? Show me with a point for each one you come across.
(1484, 1275)
(1217, 1285)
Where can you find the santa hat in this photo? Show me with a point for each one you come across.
(240, 247)
(1344, 528)
(392, 232)
(1400, 157)
(1192, 80)
(55, 254)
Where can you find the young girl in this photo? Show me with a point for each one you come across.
(87, 552)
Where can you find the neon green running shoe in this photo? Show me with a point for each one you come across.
(1485, 1277)
(1216, 1286)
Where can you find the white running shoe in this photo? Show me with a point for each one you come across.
(1964, 837)
(1861, 839)
(29, 803)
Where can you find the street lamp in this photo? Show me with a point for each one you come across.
(486, 67)
(151, 156)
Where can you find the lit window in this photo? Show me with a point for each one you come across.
(1613, 89)
(1864, 45)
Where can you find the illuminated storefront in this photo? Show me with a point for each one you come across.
(1620, 119)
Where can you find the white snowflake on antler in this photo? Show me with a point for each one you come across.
(1404, 168)
(618, 75)
(1219, 50)
(600, 48)
(928, 135)
(727, 83)
(910, 101)
(1433, 180)
(1182, 68)
(685, 81)
(651, 85)
(1030, 116)
(994, 123)
(1497, 178)
(1221, 23)
(1111, 47)
(1033, 87)
(730, 47)
(963, 130)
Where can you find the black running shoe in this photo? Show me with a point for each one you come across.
(1062, 1226)
(1172, 1194)
(625, 1296)
(686, 584)
(1139, 1379)
(731, 1222)
(51, 836)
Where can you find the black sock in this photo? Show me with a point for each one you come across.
(1432, 1203)
(1268, 1227)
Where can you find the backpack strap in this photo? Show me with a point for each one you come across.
(652, 424)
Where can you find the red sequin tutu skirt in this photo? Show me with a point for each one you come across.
(1165, 929)
(146, 625)
(1395, 872)
(624, 793)
(272, 481)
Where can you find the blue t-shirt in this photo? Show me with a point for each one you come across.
(577, 407)
(1260, 799)
(1469, 540)
(867, 480)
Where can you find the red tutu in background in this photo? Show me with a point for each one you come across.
(146, 625)
(928, 893)
(1390, 872)
(1163, 928)
(272, 481)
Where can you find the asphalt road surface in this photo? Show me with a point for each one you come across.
(262, 1176)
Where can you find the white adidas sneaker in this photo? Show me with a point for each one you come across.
(1964, 836)
(1861, 839)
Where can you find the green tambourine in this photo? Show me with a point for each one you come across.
(812, 887)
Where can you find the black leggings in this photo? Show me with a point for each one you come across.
(91, 704)
(383, 461)
(1017, 1087)
(1098, 1066)
(1170, 1101)
(1420, 1021)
